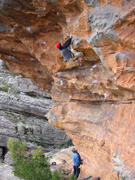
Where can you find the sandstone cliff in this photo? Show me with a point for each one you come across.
(95, 101)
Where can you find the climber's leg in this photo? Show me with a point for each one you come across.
(77, 171)
(74, 172)
(80, 60)
(78, 54)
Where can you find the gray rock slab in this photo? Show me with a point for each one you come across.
(92, 3)
(22, 113)
(6, 172)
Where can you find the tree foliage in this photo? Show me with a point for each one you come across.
(30, 167)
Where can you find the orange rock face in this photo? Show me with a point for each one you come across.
(94, 101)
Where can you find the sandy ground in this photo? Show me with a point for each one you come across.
(6, 172)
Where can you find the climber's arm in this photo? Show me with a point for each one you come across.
(67, 43)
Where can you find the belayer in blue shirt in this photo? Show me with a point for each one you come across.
(76, 162)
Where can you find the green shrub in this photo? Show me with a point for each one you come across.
(4, 88)
(14, 91)
(11, 73)
(56, 176)
(34, 167)
(124, 177)
(31, 167)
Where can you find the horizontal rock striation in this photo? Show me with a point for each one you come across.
(94, 101)
(22, 114)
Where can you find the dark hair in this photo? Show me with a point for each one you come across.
(73, 150)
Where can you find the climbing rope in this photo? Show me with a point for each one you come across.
(87, 178)
(90, 178)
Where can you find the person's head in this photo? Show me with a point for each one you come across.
(58, 45)
(74, 150)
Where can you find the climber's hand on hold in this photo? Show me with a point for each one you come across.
(45, 6)
(70, 35)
